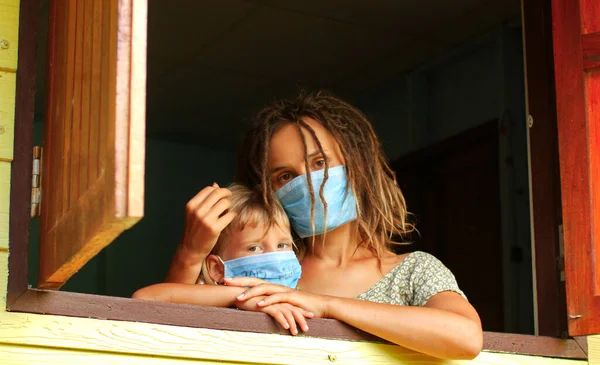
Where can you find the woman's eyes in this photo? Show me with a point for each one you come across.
(319, 164)
(283, 245)
(253, 248)
(284, 177)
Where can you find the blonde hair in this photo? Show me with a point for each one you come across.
(250, 209)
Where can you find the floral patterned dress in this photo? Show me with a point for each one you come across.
(416, 279)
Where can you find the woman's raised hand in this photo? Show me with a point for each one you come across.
(206, 215)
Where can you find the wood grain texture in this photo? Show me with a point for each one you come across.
(203, 344)
(591, 51)
(594, 349)
(3, 280)
(21, 170)
(533, 345)
(95, 131)
(130, 102)
(25, 355)
(124, 309)
(9, 28)
(5, 170)
(592, 88)
(550, 296)
(590, 22)
(576, 101)
(8, 83)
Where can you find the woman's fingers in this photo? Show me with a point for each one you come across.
(244, 281)
(288, 316)
(199, 198)
(305, 313)
(218, 209)
(213, 197)
(275, 298)
(223, 221)
(262, 289)
(287, 313)
(278, 316)
(299, 317)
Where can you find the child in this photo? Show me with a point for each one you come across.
(253, 244)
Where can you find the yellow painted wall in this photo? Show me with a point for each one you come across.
(44, 339)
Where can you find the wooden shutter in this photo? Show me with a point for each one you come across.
(94, 131)
(576, 25)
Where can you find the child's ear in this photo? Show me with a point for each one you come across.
(215, 268)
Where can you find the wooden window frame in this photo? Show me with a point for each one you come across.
(22, 298)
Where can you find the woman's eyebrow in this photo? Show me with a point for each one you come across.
(272, 171)
(309, 156)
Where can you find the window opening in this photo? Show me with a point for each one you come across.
(448, 104)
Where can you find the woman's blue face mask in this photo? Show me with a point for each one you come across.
(341, 204)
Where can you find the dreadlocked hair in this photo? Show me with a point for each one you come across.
(382, 215)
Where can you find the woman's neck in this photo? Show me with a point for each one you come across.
(336, 247)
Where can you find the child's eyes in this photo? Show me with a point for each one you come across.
(253, 248)
(283, 245)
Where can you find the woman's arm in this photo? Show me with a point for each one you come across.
(446, 327)
(185, 265)
(210, 295)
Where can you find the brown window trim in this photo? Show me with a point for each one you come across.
(21, 298)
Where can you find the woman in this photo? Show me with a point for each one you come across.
(324, 162)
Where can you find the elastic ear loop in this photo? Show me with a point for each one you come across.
(222, 280)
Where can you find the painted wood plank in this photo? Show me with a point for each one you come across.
(592, 85)
(22, 355)
(8, 82)
(12, 354)
(97, 92)
(22, 329)
(3, 280)
(9, 30)
(85, 120)
(590, 23)
(77, 120)
(577, 115)
(594, 350)
(4, 204)
(84, 215)
(591, 50)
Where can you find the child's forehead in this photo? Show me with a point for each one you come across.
(259, 230)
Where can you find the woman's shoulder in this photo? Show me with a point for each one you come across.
(428, 276)
(417, 260)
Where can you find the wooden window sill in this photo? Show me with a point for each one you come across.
(132, 310)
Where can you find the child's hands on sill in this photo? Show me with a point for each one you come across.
(206, 215)
(287, 315)
(271, 294)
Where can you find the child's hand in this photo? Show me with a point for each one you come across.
(287, 315)
(271, 294)
(206, 215)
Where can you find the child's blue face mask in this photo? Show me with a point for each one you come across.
(280, 268)
(341, 207)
